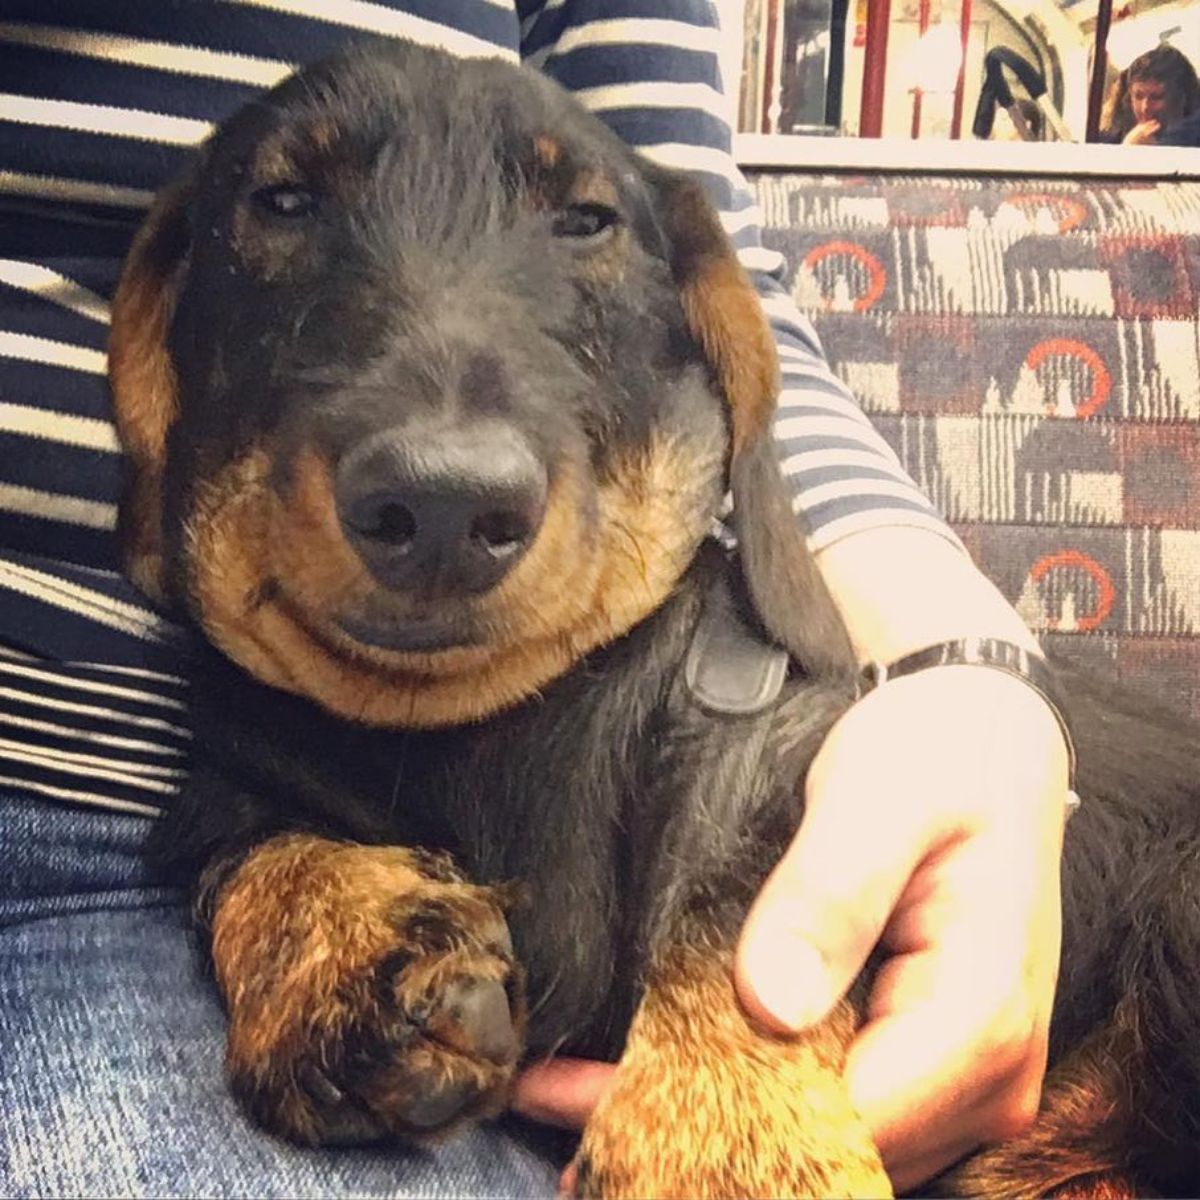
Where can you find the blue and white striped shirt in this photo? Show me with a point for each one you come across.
(99, 105)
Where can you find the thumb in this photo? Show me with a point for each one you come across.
(822, 910)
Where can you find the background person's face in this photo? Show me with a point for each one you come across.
(1148, 99)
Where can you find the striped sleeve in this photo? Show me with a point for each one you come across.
(92, 702)
(96, 734)
(101, 102)
(651, 70)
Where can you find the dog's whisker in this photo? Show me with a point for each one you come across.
(398, 779)
(536, 1008)
(633, 548)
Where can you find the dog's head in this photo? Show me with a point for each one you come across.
(430, 386)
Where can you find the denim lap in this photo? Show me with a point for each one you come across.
(112, 1045)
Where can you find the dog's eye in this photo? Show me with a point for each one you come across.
(286, 200)
(585, 221)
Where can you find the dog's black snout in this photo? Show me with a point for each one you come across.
(445, 511)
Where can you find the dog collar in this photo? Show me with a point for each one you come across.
(732, 668)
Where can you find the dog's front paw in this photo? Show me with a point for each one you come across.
(704, 1105)
(421, 1041)
(372, 992)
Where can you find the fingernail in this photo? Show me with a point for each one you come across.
(788, 979)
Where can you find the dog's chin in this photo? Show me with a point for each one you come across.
(430, 635)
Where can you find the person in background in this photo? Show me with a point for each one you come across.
(1156, 92)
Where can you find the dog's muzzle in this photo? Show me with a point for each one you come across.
(441, 510)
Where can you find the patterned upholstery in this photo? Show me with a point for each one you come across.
(1031, 349)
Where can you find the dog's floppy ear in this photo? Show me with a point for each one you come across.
(725, 317)
(142, 376)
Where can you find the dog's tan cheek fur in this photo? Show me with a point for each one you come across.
(226, 556)
(308, 552)
(265, 571)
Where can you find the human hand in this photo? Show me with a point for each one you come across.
(1142, 134)
(561, 1091)
(934, 823)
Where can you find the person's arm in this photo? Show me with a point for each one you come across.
(900, 589)
(934, 810)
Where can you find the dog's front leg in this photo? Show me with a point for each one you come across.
(706, 1105)
(371, 990)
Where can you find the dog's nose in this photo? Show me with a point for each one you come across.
(444, 511)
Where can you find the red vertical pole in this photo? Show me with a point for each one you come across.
(1099, 69)
(774, 10)
(870, 117)
(915, 131)
(918, 90)
(964, 31)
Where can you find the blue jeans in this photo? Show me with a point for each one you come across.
(112, 1043)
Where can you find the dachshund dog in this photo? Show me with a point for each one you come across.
(431, 390)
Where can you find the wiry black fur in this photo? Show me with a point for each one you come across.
(1131, 916)
(634, 817)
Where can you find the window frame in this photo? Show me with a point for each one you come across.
(957, 153)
